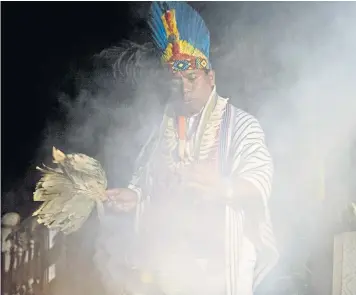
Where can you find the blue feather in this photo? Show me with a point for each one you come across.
(191, 26)
(156, 26)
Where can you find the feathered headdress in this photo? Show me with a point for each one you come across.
(181, 34)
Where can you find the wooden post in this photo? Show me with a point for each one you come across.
(344, 279)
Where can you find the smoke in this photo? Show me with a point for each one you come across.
(292, 65)
(109, 116)
(112, 111)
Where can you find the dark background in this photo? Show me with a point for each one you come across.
(43, 46)
(40, 42)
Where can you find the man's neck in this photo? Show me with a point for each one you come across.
(193, 120)
(211, 96)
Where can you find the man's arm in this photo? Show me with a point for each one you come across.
(252, 175)
(252, 169)
(249, 183)
(125, 199)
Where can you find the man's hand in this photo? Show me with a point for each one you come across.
(121, 199)
(205, 179)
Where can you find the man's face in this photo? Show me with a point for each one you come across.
(197, 87)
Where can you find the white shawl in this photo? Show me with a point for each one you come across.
(244, 153)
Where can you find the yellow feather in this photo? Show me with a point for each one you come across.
(184, 48)
(173, 25)
(58, 155)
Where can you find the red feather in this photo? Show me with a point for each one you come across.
(181, 127)
(168, 17)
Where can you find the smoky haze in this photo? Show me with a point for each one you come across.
(292, 65)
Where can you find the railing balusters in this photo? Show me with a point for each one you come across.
(37, 268)
(31, 272)
(26, 256)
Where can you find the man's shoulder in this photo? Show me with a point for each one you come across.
(235, 110)
(239, 115)
(241, 120)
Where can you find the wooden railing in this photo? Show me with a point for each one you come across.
(32, 257)
(39, 261)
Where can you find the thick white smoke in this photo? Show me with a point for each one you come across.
(293, 65)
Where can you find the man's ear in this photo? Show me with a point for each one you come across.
(211, 75)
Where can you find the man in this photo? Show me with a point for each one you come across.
(203, 179)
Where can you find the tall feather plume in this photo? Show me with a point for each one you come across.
(191, 26)
(155, 23)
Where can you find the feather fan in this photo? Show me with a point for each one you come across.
(70, 191)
